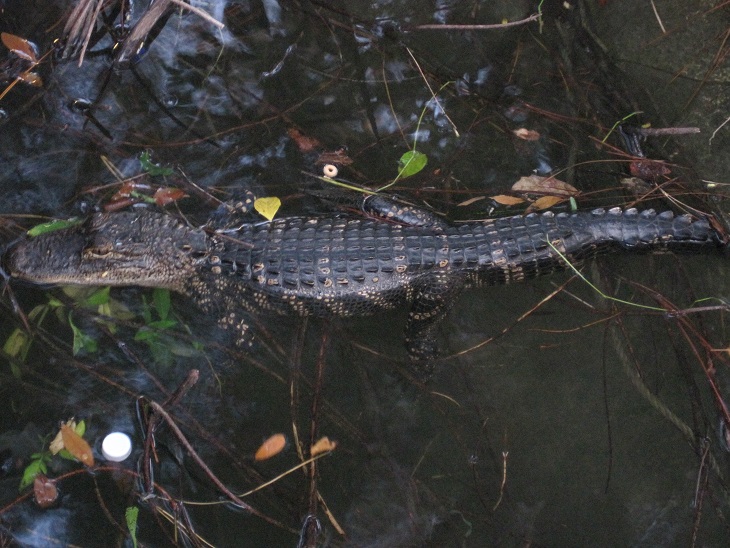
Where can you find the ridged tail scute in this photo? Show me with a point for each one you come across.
(632, 229)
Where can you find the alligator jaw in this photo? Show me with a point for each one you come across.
(136, 248)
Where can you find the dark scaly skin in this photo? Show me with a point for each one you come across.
(336, 265)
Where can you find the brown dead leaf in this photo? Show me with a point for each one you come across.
(20, 46)
(527, 134)
(339, 157)
(471, 201)
(649, 169)
(303, 142)
(322, 445)
(271, 447)
(545, 202)
(506, 200)
(76, 445)
(536, 184)
(44, 491)
(167, 195)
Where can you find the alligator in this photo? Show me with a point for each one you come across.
(340, 265)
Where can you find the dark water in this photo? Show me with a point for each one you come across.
(587, 422)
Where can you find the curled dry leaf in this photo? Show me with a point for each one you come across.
(271, 447)
(44, 491)
(503, 199)
(76, 445)
(21, 47)
(322, 445)
(536, 184)
(526, 134)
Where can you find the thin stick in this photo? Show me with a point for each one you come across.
(533, 17)
(199, 13)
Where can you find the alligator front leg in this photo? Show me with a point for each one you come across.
(432, 296)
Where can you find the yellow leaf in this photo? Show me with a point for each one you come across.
(271, 447)
(76, 445)
(503, 199)
(535, 184)
(322, 445)
(267, 206)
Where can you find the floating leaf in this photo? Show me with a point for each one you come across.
(526, 134)
(339, 157)
(36, 466)
(167, 195)
(536, 184)
(77, 446)
(130, 516)
(271, 447)
(545, 202)
(145, 160)
(503, 199)
(267, 206)
(322, 445)
(648, 169)
(20, 46)
(471, 201)
(411, 163)
(44, 491)
(52, 226)
(304, 143)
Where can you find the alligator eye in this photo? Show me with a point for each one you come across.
(97, 252)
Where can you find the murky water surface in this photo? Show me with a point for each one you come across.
(585, 422)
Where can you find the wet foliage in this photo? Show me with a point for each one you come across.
(590, 408)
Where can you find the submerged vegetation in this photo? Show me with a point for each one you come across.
(586, 409)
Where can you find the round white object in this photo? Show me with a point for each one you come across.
(116, 447)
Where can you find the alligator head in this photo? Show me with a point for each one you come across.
(140, 248)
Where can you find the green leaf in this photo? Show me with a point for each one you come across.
(130, 516)
(146, 334)
(150, 167)
(411, 163)
(161, 298)
(98, 297)
(53, 226)
(80, 428)
(81, 340)
(17, 344)
(35, 467)
(163, 324)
